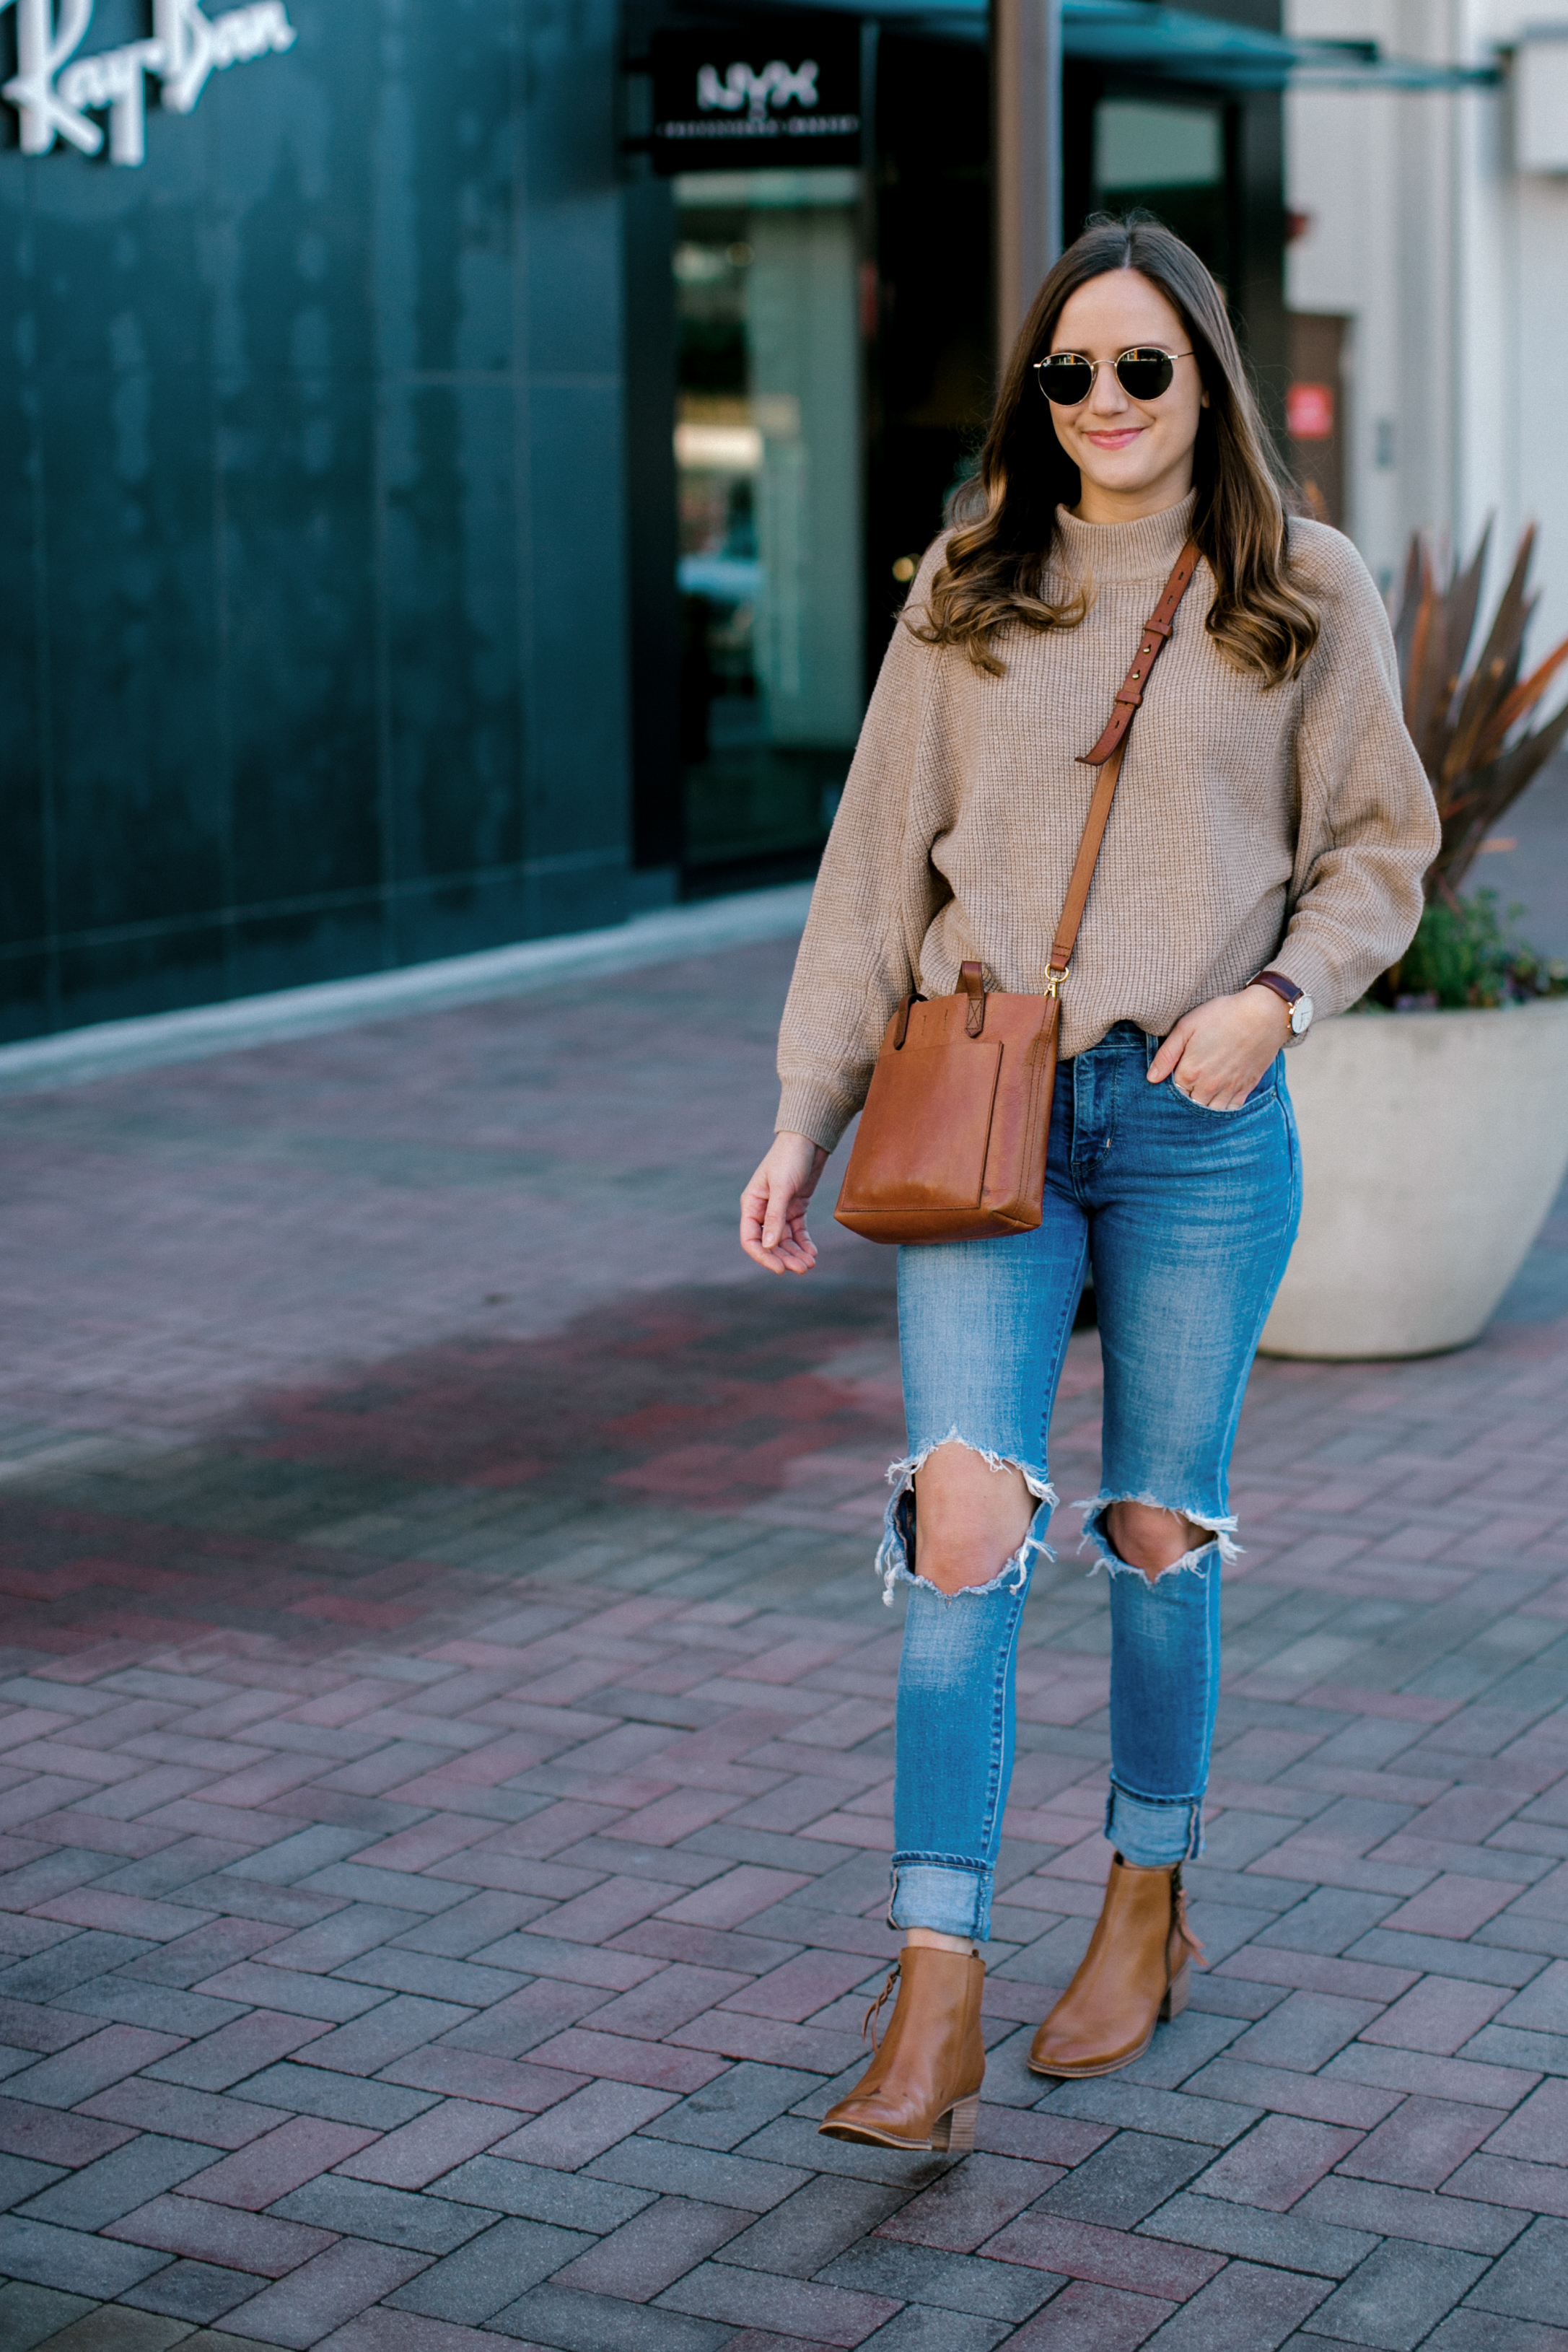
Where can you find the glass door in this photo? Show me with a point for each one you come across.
(769, 455)
(1169, 157)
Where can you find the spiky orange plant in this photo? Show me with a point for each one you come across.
(1462, 724)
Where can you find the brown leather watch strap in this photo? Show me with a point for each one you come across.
(1107, 757)
(1289, 995)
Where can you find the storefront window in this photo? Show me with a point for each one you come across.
(769, 451)
(1170, 159)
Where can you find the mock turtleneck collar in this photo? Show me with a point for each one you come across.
(1113, 553)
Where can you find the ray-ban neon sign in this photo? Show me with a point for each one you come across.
(56, 97)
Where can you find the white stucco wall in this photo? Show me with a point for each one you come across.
(1453, 269)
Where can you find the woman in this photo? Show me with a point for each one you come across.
(1263, 859)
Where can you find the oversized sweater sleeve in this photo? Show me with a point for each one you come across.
(1367, 822)
(876, 894)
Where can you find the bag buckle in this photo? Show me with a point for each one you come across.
(1053, 978)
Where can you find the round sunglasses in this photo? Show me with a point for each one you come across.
(1067, 378)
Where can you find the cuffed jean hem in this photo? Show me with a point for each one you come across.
(1153, 1833)
(950, 1898)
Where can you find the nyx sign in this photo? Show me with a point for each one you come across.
(772, 92)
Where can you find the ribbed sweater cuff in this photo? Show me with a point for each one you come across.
(806, 1108)
(1300, 961)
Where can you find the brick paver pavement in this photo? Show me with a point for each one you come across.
(445, 1753)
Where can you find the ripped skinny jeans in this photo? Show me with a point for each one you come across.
(1186, 1217)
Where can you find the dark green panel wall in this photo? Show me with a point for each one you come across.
(311, 520)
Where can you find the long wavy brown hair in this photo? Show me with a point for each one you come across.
(993, 574)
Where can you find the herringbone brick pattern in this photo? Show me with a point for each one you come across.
(445, 1755)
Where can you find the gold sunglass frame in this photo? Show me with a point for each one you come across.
(1132, 352)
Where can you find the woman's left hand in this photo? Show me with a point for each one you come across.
(1219, 1051)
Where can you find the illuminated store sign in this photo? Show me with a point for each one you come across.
(775, 92)
(55, 92)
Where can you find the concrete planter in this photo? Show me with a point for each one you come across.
(1433, 1144)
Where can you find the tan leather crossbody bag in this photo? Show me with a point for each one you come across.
(952, 1139)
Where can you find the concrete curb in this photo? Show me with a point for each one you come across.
(112, 1047)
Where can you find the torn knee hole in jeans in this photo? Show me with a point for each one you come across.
(1222, 1536)
(898, 1527)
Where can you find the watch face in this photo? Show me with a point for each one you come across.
(1301, 1015)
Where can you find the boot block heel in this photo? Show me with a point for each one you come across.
(1177, 1994)
(955, 2131)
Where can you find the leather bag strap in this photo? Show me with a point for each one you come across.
(1107, 756)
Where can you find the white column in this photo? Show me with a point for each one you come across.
(1537, 351)
(1484, 302)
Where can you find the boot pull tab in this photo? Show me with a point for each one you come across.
(868, 2026)
(1178, 1905)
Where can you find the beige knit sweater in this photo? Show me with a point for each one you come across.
(1288, 827)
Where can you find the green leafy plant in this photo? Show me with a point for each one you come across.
(1468, 954)
(1471, 729)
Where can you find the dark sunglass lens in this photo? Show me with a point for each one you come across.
(1065, 380)
(1144, 375)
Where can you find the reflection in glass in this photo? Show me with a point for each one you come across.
(767, 443)
(1171, 159)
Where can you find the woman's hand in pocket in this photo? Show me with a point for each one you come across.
(1217, 1053)
(773, 1206)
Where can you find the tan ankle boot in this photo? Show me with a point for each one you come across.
(922, 2087)
(1137, 1970)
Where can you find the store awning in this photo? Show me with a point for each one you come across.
(1182, 45)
